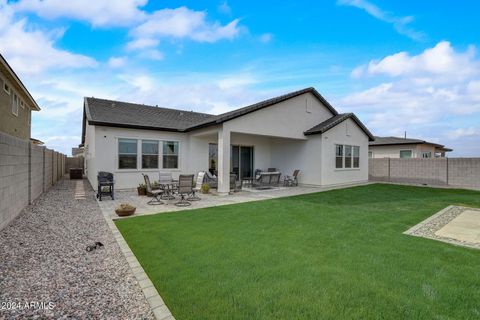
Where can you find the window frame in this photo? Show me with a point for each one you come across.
(403, 150)
(164, 154)
(119, 154)
(344, 156)
(8, 89)
(15, 104)
(150, 154)
(426, 152)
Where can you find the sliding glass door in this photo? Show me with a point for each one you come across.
(242, 161)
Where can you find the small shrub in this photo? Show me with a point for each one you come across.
(205, 188)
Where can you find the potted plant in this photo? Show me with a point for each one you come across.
(125, 209)
(142, 189)
(205, 188)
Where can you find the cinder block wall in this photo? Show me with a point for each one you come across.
(36, 173)
(26, 171)
(464, 172)
(13, 177)
(456, 172)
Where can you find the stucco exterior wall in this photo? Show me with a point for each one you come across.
(105, 155)
(346, 133)
(17, 126)
(393, 151)
(287, 119)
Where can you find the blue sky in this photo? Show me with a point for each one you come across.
(399, 65)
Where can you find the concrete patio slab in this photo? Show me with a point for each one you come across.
(465, 227)
(455, 225)
(207, 200)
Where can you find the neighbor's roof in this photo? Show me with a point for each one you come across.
(387, 141)
(335, 120)
(4, 62)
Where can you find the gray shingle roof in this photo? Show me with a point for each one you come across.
(385, 141)
(335, 120)
(263, 104)
(132, 115)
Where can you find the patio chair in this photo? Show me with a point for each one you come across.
(105, 181)
(185, 188)
(291, 181)
(156, 194)
(211, 180)
(198, 187)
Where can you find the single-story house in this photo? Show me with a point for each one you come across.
(298, 130)
(393, 147)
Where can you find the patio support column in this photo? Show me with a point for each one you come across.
(223, 161)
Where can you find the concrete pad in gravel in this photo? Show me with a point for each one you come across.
(465, 227)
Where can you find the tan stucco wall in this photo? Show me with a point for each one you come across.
(17, 126)
(393, 151)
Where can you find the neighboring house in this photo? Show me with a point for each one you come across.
(393, 147)
(16, 103)
(299, 130)
(77, 152)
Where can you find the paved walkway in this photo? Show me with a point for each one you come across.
(207, 200)
(45, 270)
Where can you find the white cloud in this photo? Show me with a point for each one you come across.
(434, 93)
(464, 132)
(400, 24)
(224, 8)
(266, 37)
(32, 51)
(441, 60)
(182, 23)
(117, 62)
(142, 43)
(98, 13)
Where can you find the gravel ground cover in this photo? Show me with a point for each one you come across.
(46, 272)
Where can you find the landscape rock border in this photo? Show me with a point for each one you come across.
(429, 226)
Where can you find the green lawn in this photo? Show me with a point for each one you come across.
(333, 255)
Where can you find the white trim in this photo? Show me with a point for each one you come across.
(15, 104)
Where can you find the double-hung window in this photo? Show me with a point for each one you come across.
(15, 104)
(170, 155)
(338, 156)
(427, 154)
(347, 157)
(149, 154)
(127, 154)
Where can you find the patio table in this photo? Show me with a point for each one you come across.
(169, 189)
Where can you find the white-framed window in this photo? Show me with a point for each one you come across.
(356, 156)
(170, 155)
(15, 105)
(149, 154)
(338, 156)
(370, 154)
(6, 87)
(405, 153)
(347, 157)
(127, 153)
(426, 155)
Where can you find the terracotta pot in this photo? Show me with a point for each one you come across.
(125, 212)
(142, 191)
